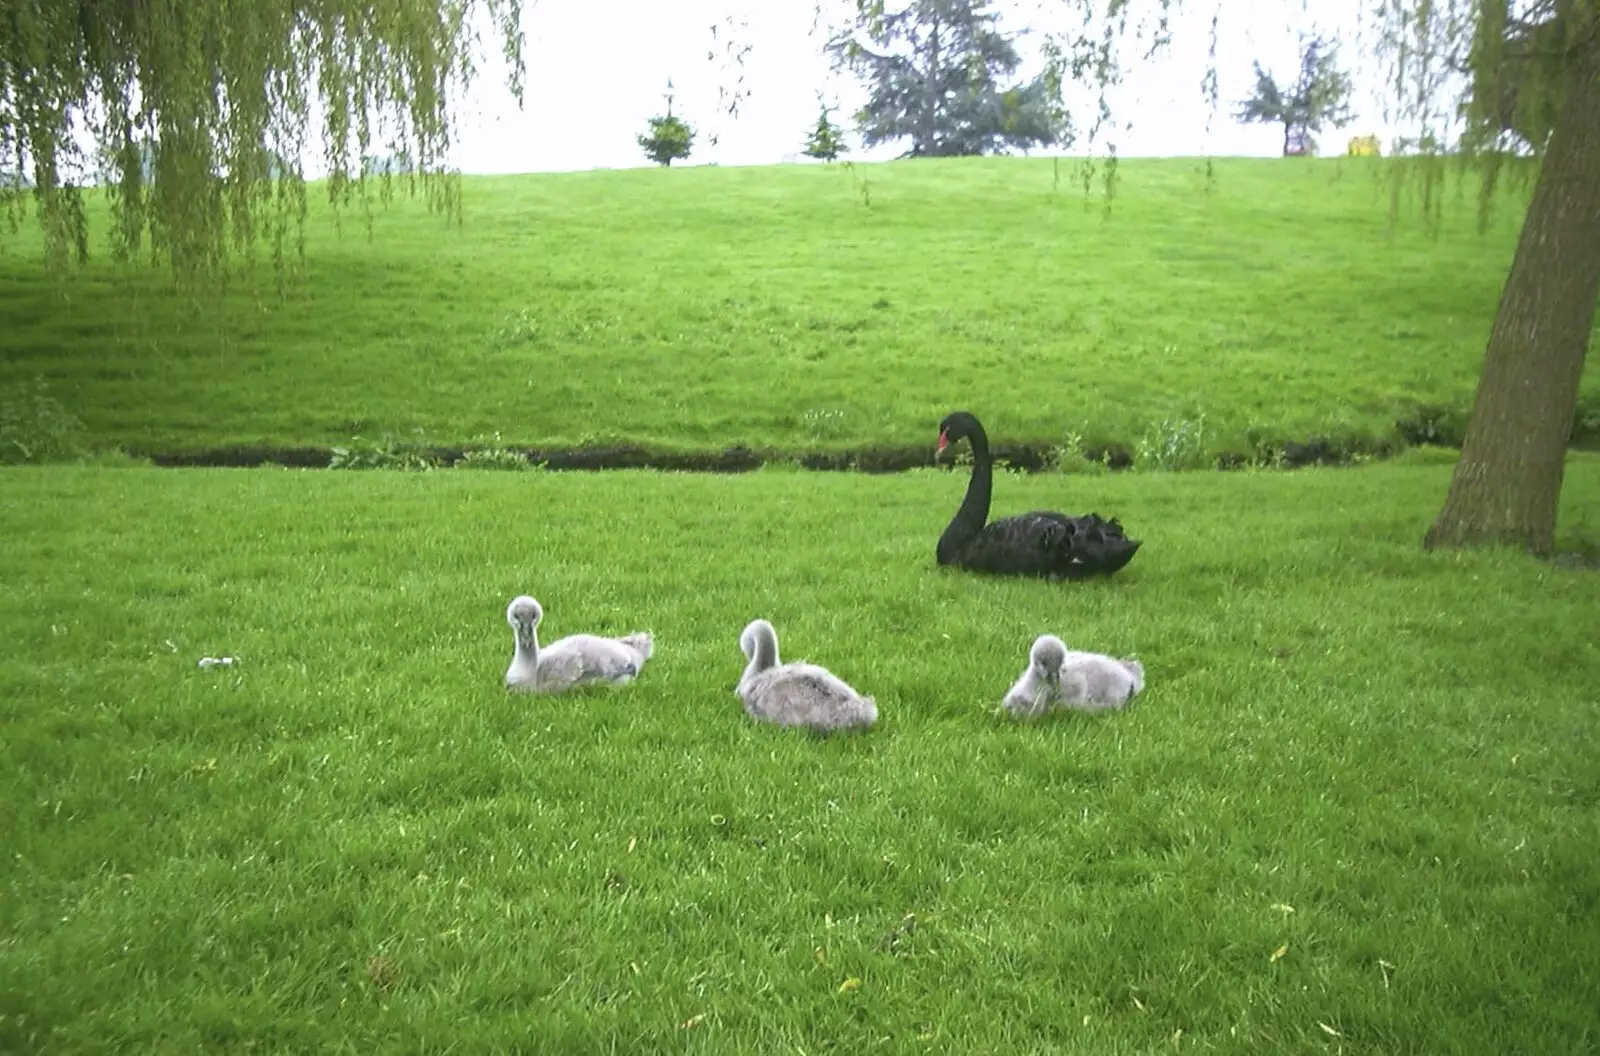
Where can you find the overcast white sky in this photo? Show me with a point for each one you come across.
(598, 69)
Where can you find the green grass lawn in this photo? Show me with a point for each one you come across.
(804, 308)
(1354, 811)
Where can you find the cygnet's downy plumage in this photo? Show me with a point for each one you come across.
(573, 661)
(1060, 678)
(796, 694)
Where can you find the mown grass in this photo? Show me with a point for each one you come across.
(799, 308)
(1355, 811)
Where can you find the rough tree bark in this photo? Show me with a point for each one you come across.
(1507, 484)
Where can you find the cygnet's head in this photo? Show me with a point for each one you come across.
(524, 614)
(755, 632)
(1047, 655)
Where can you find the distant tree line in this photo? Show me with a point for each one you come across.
(938, 74)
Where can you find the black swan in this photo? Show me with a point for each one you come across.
(1038, 543)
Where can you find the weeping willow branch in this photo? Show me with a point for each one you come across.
(194, 116)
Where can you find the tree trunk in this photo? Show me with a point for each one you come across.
(930, 96)
(1507, 484)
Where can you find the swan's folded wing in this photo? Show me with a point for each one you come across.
(1026, 531)
(1104, 681)
(1090, 527)
(559, 667)
(585, 658)
(802, 695)
(609, 660)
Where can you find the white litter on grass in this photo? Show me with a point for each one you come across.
(215, 661)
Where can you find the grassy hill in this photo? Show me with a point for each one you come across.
(1352, 811)
(795, 309)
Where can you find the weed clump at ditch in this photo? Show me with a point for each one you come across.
(1433, 424)
(36, 428)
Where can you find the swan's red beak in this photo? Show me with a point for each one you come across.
(944, 442)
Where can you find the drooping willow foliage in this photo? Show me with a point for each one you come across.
(1481, 82)
(194, 115)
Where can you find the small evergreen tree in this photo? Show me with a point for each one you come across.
(669, 136)
(1319, 96)
(827, 139)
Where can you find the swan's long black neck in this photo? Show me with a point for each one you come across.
(974, 512)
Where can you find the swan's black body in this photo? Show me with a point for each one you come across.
(1038, 543)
